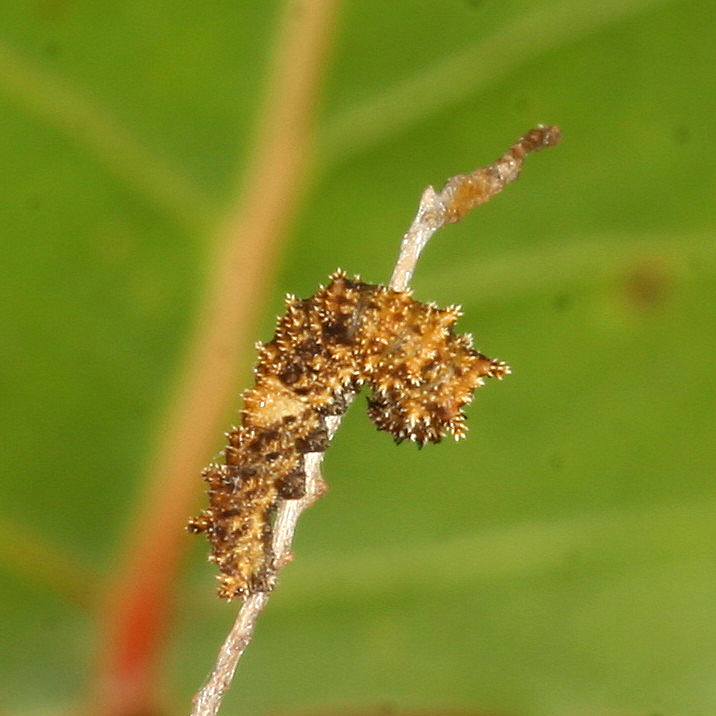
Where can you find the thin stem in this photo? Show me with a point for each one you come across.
(208, 700)
(460, 194)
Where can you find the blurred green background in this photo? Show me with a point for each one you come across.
(559, 561)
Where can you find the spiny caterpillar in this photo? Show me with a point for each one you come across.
(325, 348)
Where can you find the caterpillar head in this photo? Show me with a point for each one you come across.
(422, 372)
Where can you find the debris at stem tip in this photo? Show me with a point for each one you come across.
(461, 194)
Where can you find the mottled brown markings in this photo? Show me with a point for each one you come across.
(317, 441)
(292, 486)
(290, 376)
(324, 349)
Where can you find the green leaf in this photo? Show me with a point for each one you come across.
(560, 560)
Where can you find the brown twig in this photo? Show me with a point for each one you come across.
(460, 194)
(138, 602)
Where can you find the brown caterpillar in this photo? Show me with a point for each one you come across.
(325, 348)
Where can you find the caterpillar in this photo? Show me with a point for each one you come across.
(326, 347)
